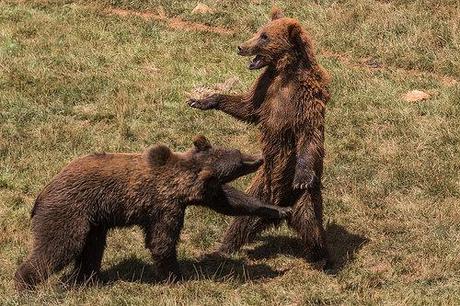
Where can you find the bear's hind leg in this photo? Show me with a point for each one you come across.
(55, 246)
(30, 273)
(88, 263)
(307, 220)
(243, 230)
(44, 260)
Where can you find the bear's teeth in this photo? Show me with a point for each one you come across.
(255, 63)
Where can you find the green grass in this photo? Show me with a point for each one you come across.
(74, 79)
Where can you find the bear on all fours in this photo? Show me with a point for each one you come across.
(97, 192)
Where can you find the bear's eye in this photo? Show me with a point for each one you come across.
(263, 36)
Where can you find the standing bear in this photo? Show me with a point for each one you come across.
(94, 193)
(287, 102)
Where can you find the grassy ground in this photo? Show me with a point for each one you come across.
(75, 77)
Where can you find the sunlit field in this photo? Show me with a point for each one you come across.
(78, 77)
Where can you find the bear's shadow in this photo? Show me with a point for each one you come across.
(343, 247)
(208, 267)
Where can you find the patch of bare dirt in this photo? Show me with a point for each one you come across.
(174, 22)
(363, 63)
(375, 64)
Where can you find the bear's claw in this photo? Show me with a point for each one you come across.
(195, 104)
(203, 104)
(304, 180)
(285, 212)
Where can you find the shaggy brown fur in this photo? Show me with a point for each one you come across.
(97, 192)
(288, 103)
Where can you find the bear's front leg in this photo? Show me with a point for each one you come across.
(161, 240)
(242, 107)
(307, 220)
(210, 102)
(304, 175)
(233, 202)
(309, 164)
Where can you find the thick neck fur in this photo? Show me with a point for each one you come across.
(293, 64)
(310, 75)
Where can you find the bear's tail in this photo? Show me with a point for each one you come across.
(36, 204)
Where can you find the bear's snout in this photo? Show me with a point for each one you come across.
(243, 50)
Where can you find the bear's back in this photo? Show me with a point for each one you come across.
(92, 180)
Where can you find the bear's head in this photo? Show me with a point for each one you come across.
(281, 40)
(207, 161)
(220, 166)
(226, 164)
(202, 172)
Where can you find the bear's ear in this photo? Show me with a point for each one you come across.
(159, 155)
(301, 42)
(201, 143)
(276, 13)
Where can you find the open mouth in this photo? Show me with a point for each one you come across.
(257, 62)
(249, 165)
(253, 164)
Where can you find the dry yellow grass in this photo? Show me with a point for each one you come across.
(75, 79)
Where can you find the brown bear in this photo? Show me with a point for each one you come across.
(97, 192)
(287, 102)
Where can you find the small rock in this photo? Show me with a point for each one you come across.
(416, 95)
(202, 9)
(448, 81)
